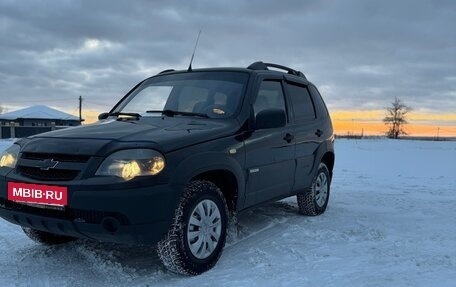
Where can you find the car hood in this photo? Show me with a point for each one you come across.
(163, 133)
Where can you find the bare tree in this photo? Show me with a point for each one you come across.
(396, 118)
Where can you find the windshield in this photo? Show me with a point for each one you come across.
(212, 94)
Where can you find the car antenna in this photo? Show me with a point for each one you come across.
(194, 49)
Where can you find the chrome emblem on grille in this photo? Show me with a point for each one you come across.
(47, 164)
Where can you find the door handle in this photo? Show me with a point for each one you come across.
(288, 137)
(319, 133)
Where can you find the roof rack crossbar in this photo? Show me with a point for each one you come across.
(264, 66)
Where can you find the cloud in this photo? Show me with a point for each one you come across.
(361, 54)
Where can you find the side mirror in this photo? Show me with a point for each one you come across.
(270, 118)
(103, 116)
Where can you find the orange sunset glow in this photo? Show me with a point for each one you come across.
(370, 123)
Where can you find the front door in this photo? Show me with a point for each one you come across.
(270, 164)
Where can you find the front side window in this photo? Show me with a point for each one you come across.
(270, 96)
(215, 94)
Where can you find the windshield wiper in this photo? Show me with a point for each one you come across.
(116, 114)
(104, 116)
(171, 113)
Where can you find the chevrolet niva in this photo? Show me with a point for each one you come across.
(173, 160)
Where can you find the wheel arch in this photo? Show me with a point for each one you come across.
(226, 181)
(219, 168)
(328, 159)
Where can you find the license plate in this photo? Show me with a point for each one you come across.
(38, 193)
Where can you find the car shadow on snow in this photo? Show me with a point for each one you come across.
(103, 260)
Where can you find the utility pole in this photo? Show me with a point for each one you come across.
(80, 109)
(438, 132)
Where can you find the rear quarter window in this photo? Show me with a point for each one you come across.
(318, 100)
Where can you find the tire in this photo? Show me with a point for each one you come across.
(314, 201)
(46, 237)
(191, 246)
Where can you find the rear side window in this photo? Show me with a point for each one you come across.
(303, 108)
(323, 111)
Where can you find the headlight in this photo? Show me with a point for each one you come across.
(9, 156)
(131, 163)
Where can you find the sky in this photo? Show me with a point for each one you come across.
(360, 54)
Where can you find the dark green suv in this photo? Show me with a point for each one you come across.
(173, 160)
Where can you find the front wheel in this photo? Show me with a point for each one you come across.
(197, 236)
(314, 201)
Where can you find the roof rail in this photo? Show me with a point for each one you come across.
(166, 71)
(264, 66)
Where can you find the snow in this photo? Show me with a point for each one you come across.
(390, 222)
(38, 112)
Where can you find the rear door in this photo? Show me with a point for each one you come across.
(306, 129)
(270, 164)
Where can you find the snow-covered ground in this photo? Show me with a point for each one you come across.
(391, 221)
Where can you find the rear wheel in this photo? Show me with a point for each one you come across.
(46, 237)
(197, 236)
(314, 201)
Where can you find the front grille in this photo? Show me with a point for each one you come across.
(86, 216)
(67, 166)
(48, 175)
(56, 157)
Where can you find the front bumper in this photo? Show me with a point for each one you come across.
(131, 213)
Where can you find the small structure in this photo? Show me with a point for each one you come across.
(34, 120)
